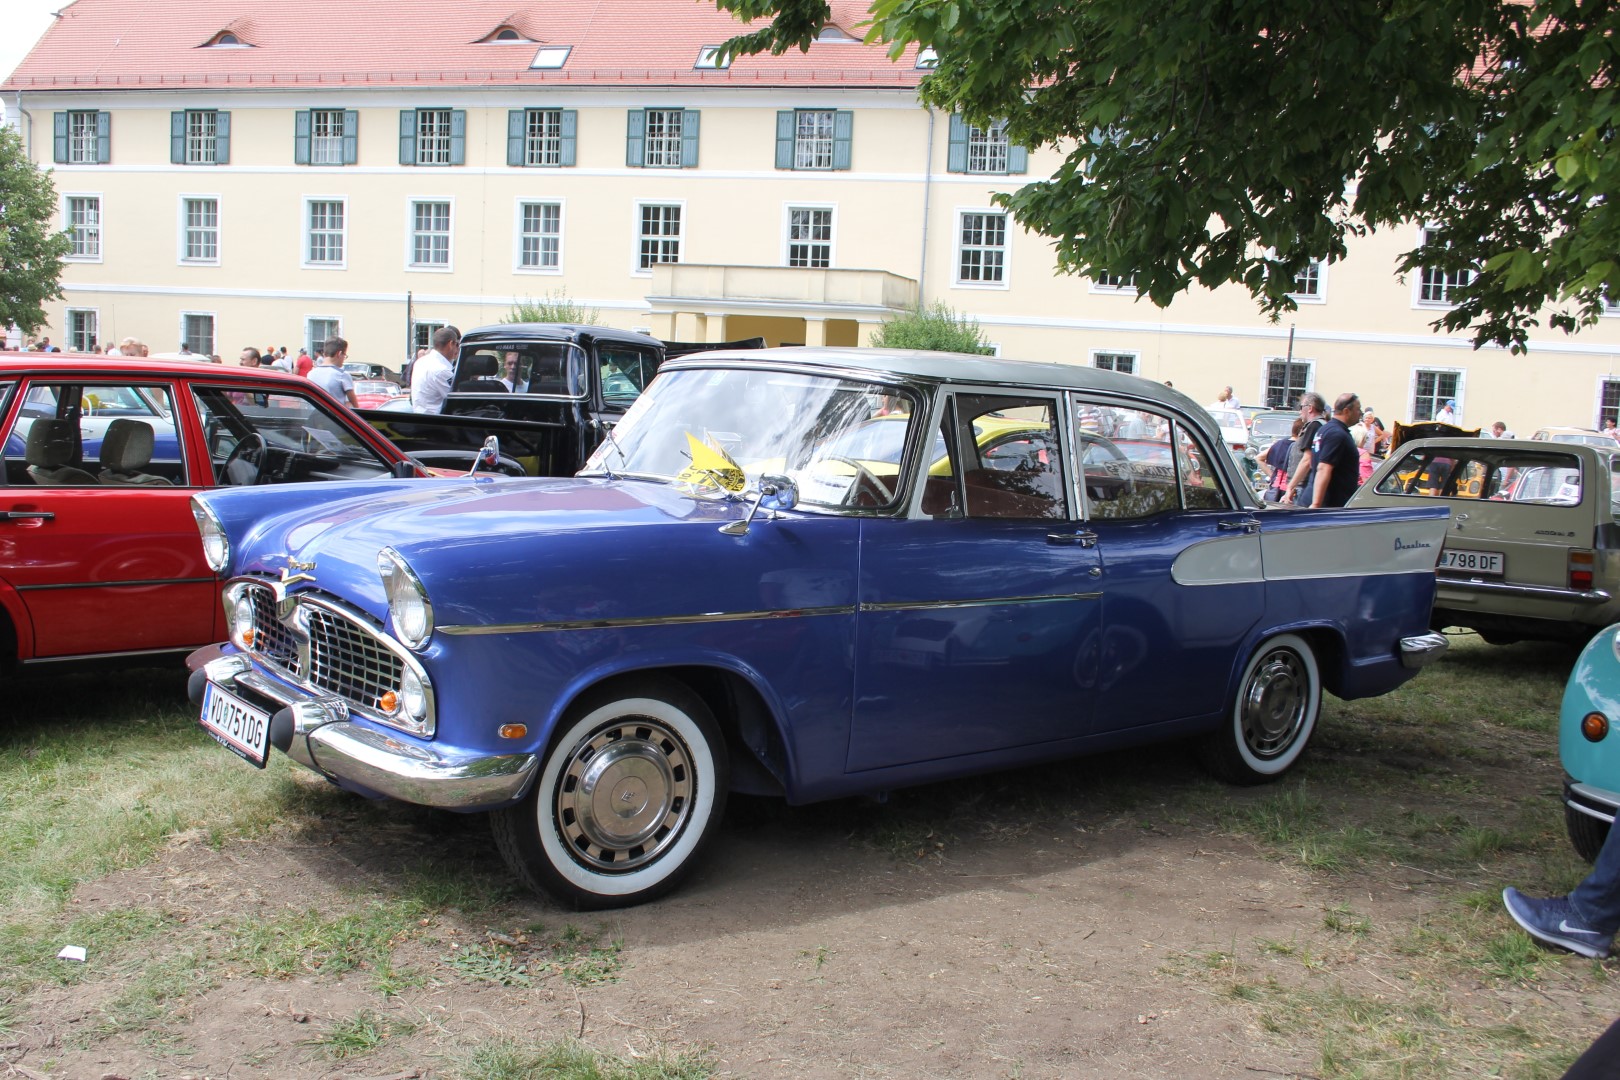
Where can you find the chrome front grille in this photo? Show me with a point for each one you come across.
(326, 649)
(346, 660)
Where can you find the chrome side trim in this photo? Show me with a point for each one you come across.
(1534, 592)
(1421, 649)
(993, 601)
(647, 620)
(117, 584)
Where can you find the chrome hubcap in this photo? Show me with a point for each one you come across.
(1274, 703)
(625, 792)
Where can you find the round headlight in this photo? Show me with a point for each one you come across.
(216, 546)
(408, 604)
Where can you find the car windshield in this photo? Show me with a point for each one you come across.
(1227, 419)
(1484, 473)
(715, 432)
(1277, 426)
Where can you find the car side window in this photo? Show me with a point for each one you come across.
(1129, 464)
(1009, 451)
(301, 439)
(94, 434)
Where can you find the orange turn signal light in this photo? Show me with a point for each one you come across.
(248, 635)
(513, 731)
(389, 702)
(1594, 725)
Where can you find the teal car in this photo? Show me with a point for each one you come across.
(1589, 745)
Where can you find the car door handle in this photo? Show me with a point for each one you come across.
(1248, 525)
(1085, 538)
(29, 515)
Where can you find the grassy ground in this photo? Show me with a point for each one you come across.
(1443, 792)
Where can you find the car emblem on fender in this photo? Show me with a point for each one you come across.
(278, 589)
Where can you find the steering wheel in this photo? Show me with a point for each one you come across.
(863, 475)
(245, 464)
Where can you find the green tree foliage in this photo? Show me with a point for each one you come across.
(30, 253)
(1229, 141)
(552, 308)
(933, 327)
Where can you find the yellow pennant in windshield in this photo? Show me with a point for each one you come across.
(711, 465)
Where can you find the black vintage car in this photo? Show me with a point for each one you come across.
(548, 391)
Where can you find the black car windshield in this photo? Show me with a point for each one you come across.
(716, 432)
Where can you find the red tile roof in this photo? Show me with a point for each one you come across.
(109, 44)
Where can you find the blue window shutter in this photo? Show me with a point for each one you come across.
(689, 138)
(222, 138)
(1017, 158)
(103, 137)
(517, 129)
(843, 137)
(60, 149)
(351, 136)
(301, 130)
(407, 136)
(458, 136)
(635, 154)
(956, 149)
(786, 124)
(177, 138)
(570, 135)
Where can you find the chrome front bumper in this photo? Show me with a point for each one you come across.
(317, 733)
(1594, 802)
(1422, 649)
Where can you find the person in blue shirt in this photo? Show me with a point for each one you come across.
(1337, 470)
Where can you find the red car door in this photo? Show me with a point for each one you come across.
(99, 568)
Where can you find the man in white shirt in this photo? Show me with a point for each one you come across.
(433, 374)
(329, 375)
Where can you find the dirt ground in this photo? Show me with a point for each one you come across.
(837, 941)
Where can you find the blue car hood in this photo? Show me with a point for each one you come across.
(477, 546)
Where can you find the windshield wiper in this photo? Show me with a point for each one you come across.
(607, 435)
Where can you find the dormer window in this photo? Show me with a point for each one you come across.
(833, 33)
(550, 57)
(226, 39)
(506, 35)
(710, 57)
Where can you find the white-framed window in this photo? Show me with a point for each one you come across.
(1108, 281)
(81, 134)
(83, 325)
(981, 248)
(202, 137)
(987, 148)
(430, 221)
(542, 136)
(663, 139)
(199, 229)
(1608, 402)
(433, 136)
(809, 237)
(326, 223)
(813, 138)
(658, 234)
(1611, 306)
(326, 137)
(1287, 379)
(317, 328)
(81, 217)
(1438, 287)
(1114, 361)
(1310, 284)
(422, 331)
(539, 236)
(197, 331)
(1432, 388)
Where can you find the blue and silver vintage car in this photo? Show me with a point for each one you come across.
(803, 572)
(1589, 745)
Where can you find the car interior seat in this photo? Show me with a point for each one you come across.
(477, 375)
(126, 451)
(49, 453)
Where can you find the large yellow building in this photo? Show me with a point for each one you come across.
(237, 172)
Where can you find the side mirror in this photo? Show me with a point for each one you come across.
(777, 493)
(488, 455)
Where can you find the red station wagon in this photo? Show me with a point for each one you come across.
(99, 552)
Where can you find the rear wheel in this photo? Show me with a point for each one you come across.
(1278, 701)
(628, 795)
(1586, 833)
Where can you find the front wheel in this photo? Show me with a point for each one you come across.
(1278, 701)
(1586, 833)
(629, 792)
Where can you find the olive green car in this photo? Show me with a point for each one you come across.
(1532, 549)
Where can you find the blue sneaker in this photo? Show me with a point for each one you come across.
(1554, 922)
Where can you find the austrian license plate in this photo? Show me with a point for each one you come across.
(239, 727)
(1471, 562)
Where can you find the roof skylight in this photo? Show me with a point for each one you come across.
(550, 57)
(710, 57)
